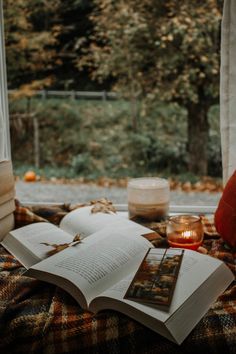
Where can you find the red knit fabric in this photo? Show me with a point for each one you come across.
(225, 215)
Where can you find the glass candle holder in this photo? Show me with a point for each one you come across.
(148, 198)
(185, 231)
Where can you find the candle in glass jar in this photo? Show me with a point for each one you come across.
(185, 231)
(148, 198)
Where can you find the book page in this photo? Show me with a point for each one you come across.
(201, 279)
(83, 221)
(97, 263)
(153, 317)
(26, 243)
(117, 294)
(195, 269)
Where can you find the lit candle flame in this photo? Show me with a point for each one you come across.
(187, 234)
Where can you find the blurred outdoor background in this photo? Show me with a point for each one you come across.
(103, 90)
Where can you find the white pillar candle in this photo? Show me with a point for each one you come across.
(148, 198)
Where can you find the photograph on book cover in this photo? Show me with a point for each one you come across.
(156, 277)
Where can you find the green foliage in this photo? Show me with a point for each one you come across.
(214, 144)
(92, 139)
(161, 142)
(187, 177)
(81, 163)
(166, 51)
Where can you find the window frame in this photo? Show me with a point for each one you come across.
(5, 144)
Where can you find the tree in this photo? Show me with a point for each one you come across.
(165, 50)
(76, 26)
(44, 40)
(31, 32)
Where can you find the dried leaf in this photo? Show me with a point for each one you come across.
(104, 201)
(100, 208)
(102, 205)
(77, 238)
(57, 248)
(49, 244)
(60, 247)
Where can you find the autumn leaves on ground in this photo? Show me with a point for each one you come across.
(205, 184)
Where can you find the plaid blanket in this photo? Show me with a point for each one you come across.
(36, 317)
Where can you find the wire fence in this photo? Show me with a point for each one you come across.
(44, 94)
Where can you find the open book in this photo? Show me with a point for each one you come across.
(98, 271)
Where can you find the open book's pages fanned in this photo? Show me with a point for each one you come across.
(34, 242)
(201, 280)
(98, 271)
(86, 223)
(101, 260)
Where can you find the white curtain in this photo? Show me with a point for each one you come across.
(228, 89)
(5, 150)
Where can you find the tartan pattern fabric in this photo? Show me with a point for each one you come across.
(37, 317)
(28, 215)
(209, 226)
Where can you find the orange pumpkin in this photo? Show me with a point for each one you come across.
(225, 215)
(30, 176)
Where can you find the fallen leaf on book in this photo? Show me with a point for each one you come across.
(77, 238)
(102, 206)
(60, 247)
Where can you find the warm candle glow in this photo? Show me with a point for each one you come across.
(185, 231)
(187, 234)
